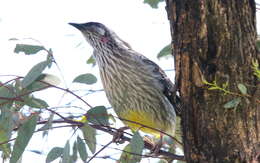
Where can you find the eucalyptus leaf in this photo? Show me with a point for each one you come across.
(25, 133)
(98, 115)
(153, 3)
(28, 49)
(35, 102)
(91, 60)
(126, 156)
(82, 149)
(66, 153)
(34, 73)
(137, 146)
(242, 88)
(75, 151)
(89, 135)
(165, 51)
(85, 79)
(54, 154)
(6, 126)
(6, 91)
(42, 82)
(233, 103)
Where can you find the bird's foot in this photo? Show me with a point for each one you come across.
(156, 145)
(117, 137)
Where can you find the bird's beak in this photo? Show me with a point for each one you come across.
(78, 26)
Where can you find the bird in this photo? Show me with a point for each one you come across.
(139, 91)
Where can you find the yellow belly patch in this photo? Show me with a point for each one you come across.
(142, 119)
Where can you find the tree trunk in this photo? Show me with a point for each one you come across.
(215, 40)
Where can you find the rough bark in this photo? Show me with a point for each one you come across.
(216, 40)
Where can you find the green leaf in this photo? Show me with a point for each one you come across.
(137, 146)
(255, 67)
(39, 83)
(28, 49)
(165, 51)
(25, 133)
(233, 103)
(89, 135)
(34, 73)
(242, 88)
(85, 79)
(36, 86)
(131, 152)
(6, 126)
(126, 156)
(66, 153)
(75, 151)
(54, 154)
(91, 60)
(82, 149)
(6, 91)
(98, 115)
(35, 102)
(153, 3)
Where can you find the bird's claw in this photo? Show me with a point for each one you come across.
(117, 138)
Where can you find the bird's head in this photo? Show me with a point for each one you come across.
(99, 36)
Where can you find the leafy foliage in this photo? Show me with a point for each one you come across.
(66, 153)
(22, 113)
(98, 115)
(25, 133)
(82, 149)
(85, 79)
(89, 135)
(54, 153)
(215, 86)
(242, 88)
(34, 73)
(91, 60)
(6, 126)
(35, 102)
(28, 49)
(166, 51)
(6, 92)
(232, 104)
(42, 82)
(153, 3)
(74, 156)
(126, 156)
(137, 146)
(255, 67)
(133, 151)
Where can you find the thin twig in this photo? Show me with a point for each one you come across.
(104, 147)
(69, 91)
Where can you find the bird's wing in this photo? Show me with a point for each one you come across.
(168, 88)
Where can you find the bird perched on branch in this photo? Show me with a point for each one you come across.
(141, 94)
